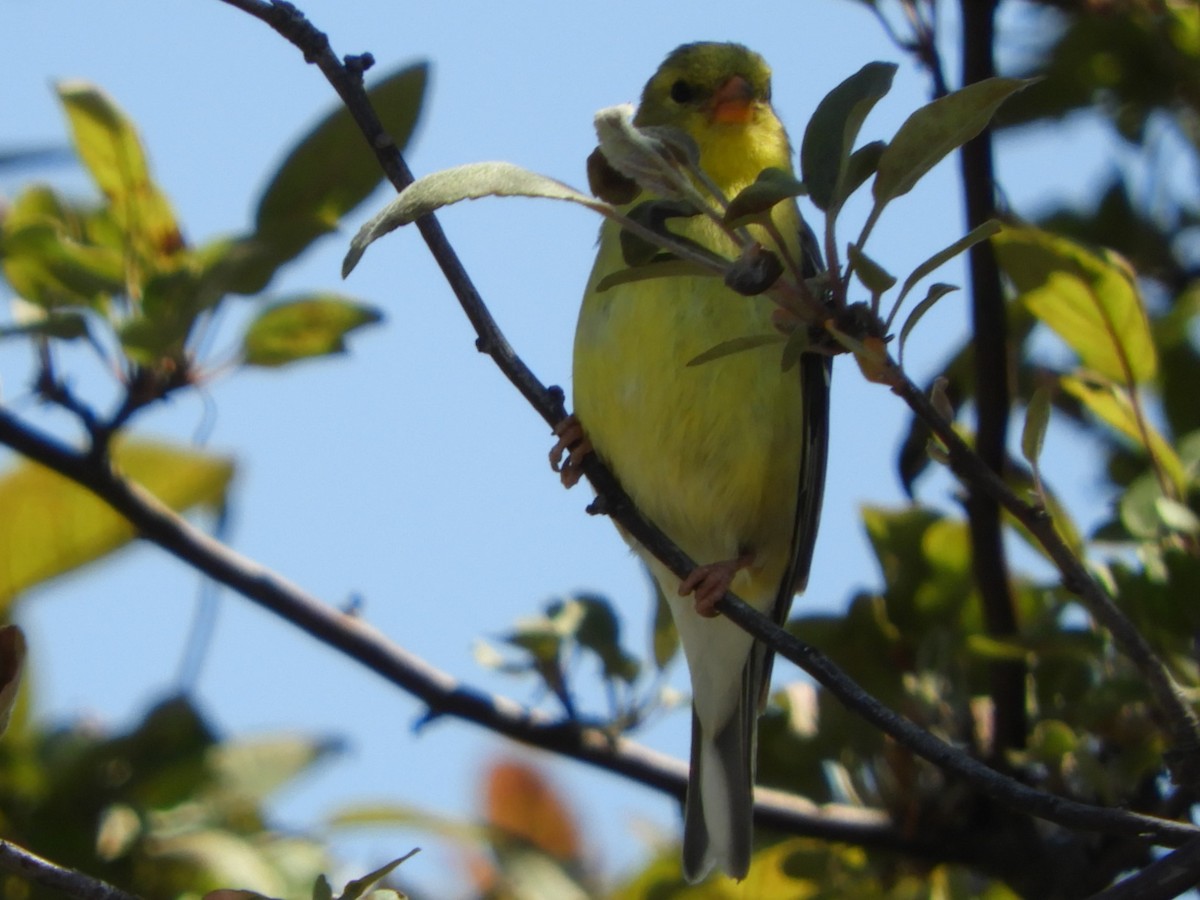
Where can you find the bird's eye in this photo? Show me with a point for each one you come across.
(681, 91)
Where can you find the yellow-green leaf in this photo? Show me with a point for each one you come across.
(109, 146)
(303, 328)
(1090, 301)
(1112, 406)
(52, 525)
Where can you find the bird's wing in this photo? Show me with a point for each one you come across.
(815, 372)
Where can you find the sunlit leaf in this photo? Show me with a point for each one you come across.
(51, 525)
(833, 129)
(110, 148)
(303, 328)
(1112, 406)
(934, 131)
(1092, 303)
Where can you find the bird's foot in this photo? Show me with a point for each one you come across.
(574, 444)
(709, 583)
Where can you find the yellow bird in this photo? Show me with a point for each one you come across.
(726, 457)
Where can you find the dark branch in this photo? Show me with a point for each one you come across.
(990, 340)
(42, 872)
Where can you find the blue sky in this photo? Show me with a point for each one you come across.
(408, 472)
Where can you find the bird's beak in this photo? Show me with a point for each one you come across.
(733, 102)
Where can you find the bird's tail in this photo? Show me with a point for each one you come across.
(718, 819)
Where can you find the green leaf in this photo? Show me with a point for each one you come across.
(332, 169)
(935, 293)
(65, 326)
(109, 146)
(934, 131)
(358, 887)
(1037, 419)
(966, 242)
(304, 327)
(1091, 302)
(874, 277)
(1112, 405)
(50, 269)
(669, 267)
(469, 182)
(737, 345)
(863, 163)
(637, 250)
(52, 526)
(756, 200)
(600, 632)
(833, 129)
(256, 768)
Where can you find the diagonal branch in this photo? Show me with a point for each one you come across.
(36, 870)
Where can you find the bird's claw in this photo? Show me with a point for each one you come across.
(572, 443)
(710, 582)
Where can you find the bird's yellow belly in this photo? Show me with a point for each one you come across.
(711, 452)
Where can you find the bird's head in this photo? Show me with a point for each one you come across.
(720, 94)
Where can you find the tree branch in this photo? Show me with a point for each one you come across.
(42, 872)
(990, 340)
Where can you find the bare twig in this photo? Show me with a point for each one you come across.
(42, 872)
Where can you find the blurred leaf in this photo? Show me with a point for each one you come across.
(755, 201)
(599, 630)
(665, 637)
(52, 525)
(1113, 407)
(67, 326)
(12, 663)
(257, 767)
(332, 169)
(304, 327)
(1037, 419)
(520, 804)
(469, 182)
(833, 129)
(110, 148)
(50, 269)
(1092, 303)
(934, 131)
